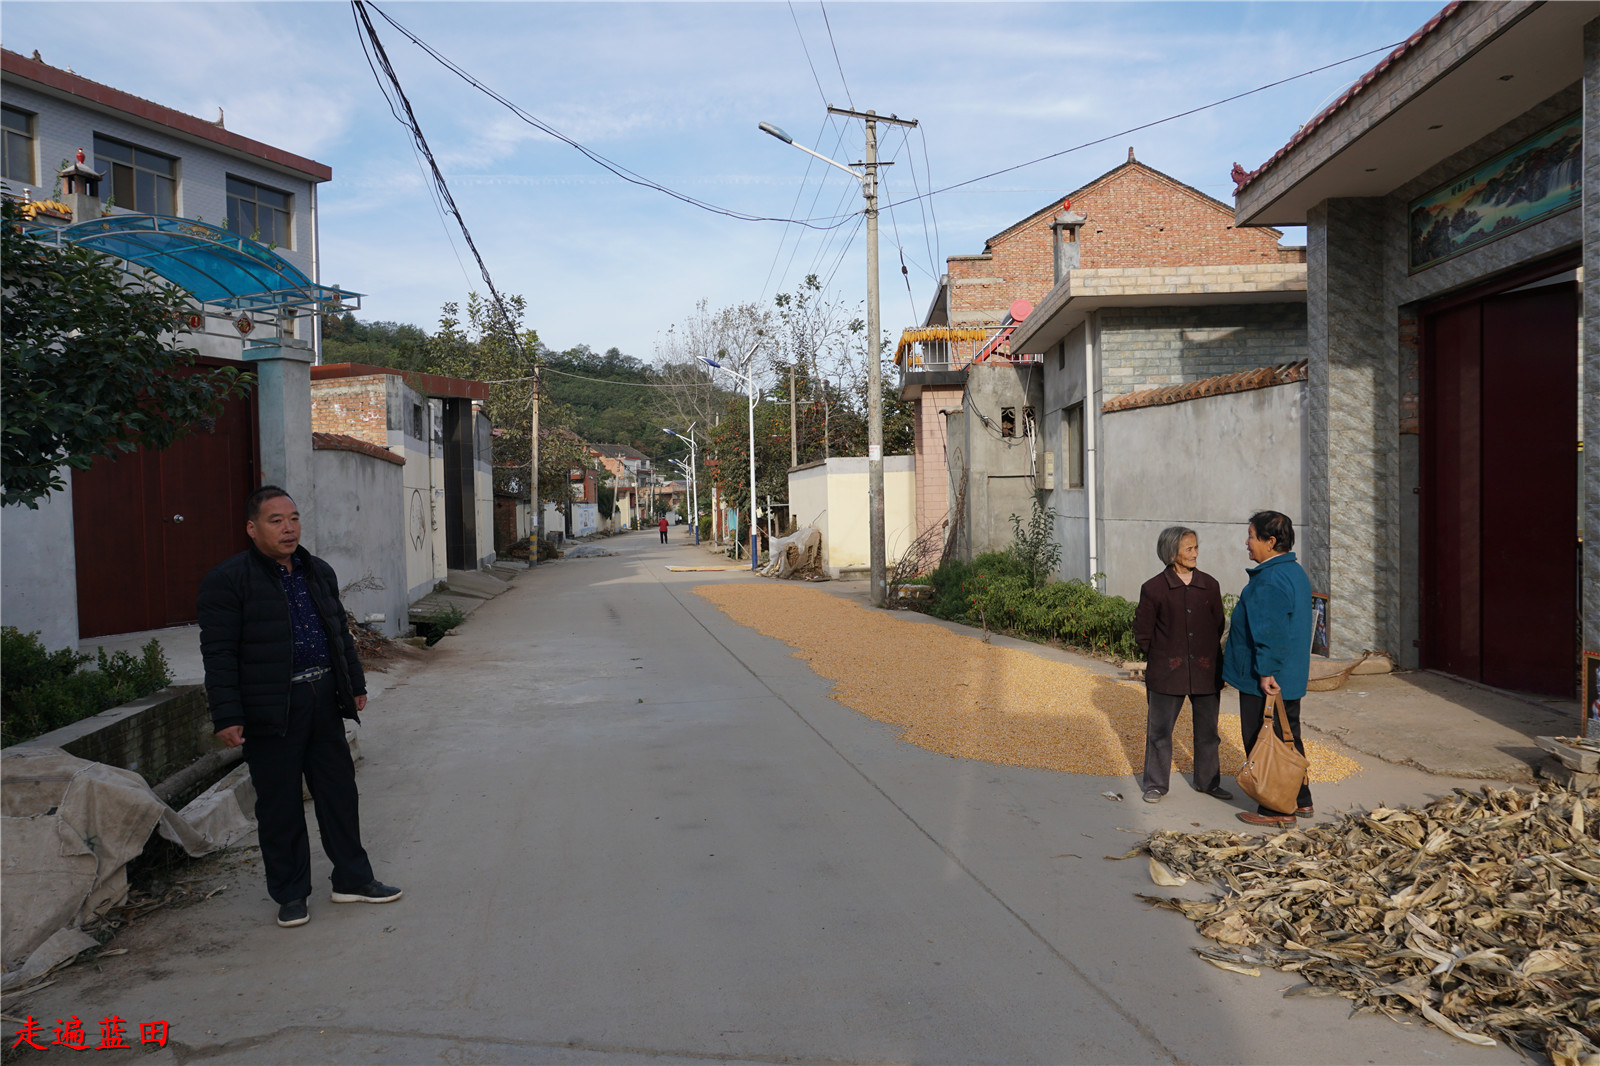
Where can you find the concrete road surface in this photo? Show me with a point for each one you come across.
(630, 830)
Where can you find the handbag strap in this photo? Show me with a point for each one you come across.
(1280, 716)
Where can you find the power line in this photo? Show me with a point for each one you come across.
(377, 53)
(807, 51)
(630, 176)
(1161, 121)
(836, 62)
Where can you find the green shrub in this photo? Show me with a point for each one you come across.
(994, 590)
(41, 690)
(705, 527)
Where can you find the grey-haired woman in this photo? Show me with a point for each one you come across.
(1179, 625)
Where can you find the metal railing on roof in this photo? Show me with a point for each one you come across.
(930, 348)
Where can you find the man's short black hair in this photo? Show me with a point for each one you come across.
(252, 506)
(1274, 526)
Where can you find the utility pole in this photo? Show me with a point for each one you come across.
(869, 189)
(794, 445)
(533, 472)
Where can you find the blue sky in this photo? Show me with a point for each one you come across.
(674, 91)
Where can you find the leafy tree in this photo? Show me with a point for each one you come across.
(87, 364)
(391, 344)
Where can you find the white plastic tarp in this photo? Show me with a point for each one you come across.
(800, 552)
(68, 828)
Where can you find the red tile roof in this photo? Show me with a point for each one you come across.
(1242, 177)
(65, 81)
(340, 442)
(1243, 381)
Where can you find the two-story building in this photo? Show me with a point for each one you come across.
(234, 222)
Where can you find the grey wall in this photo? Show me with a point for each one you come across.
(360, 532)
(1148, 347)
(38, 570)
(1063, 386)
(1207, 464)
(1000, 470)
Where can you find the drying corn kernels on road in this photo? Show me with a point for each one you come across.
(956, 695)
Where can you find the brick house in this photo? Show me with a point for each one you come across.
(1179, 293)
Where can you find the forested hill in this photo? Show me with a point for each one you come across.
(614, 410)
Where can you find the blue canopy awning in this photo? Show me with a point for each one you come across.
(215, 266)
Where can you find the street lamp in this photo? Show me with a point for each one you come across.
(750, 391)
(694, 475)
(868, 177)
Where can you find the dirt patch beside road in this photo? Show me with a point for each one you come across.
(958, 696)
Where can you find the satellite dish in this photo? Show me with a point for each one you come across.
(1020, 309)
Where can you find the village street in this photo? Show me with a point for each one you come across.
(630, 829)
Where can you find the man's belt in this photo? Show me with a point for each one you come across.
(312, 674)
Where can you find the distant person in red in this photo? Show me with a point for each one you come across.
(663, 528)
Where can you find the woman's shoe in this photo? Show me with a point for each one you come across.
(1304, 812)
(1277, 820)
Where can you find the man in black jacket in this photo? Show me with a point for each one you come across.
(282, 675)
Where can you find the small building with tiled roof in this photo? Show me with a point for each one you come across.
(1453, 244)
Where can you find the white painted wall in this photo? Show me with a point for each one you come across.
(833, 496)
(361, 533)
(38, 579)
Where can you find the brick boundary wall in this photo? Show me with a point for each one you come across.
(352, 407)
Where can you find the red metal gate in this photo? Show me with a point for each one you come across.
(148, 525)
(1500, 489)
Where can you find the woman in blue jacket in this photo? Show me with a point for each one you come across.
(1269, 644)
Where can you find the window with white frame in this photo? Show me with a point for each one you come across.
(18, 147)
(259, 212)
(141, 180)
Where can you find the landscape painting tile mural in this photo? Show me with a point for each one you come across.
(1536, 179)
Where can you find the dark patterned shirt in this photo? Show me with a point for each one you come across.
(310, 639)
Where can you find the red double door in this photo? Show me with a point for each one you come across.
(147, 526)
(1500, 540)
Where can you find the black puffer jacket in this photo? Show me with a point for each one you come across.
(247, 641)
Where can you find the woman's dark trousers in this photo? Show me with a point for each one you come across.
(1252, 708)
(1162, 716)
(313, 746)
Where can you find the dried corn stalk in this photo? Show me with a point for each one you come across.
(1481, 912)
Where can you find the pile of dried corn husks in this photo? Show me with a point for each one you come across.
(1481, 912)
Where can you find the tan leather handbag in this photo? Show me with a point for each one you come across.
(1274, 770)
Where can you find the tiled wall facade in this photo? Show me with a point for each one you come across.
(1365, 382)
(1150, 347)
(1590, 337)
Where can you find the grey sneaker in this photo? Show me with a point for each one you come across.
(1153, 795)
(293, 913)
(371, 892)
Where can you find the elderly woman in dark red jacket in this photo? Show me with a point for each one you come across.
(1179, 625)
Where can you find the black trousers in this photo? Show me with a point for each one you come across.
(1161, 716)
(663, 536)
(313, 747)
(1252, 709)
